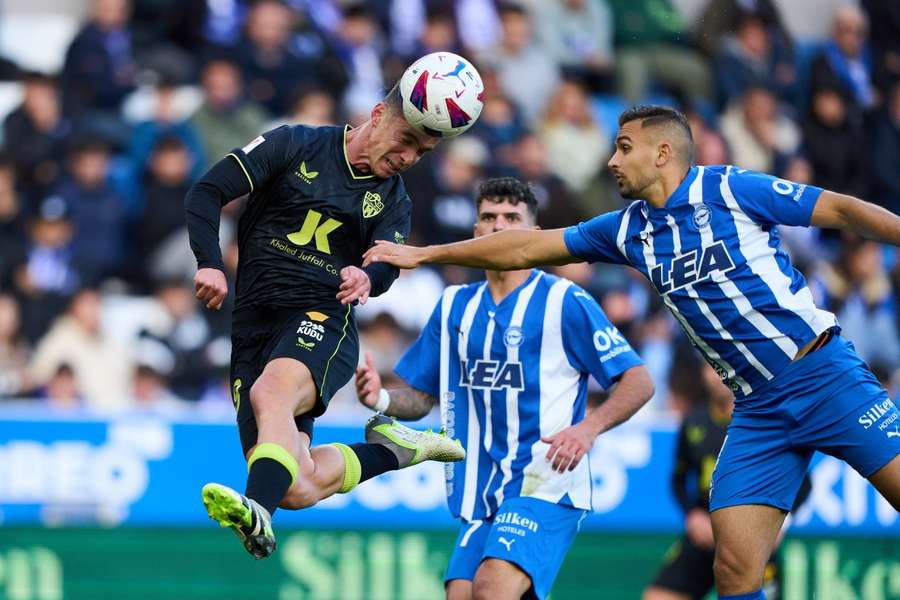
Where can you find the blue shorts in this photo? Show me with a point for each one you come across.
(533, 534)
(827, 401)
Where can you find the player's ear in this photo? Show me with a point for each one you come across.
(663, 153)
(378, 112)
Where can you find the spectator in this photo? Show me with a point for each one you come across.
(99, 69)
(154, 364)
(360, 47)
(752, 54)
(833, 140)
(651, 48)
(313, 106)
(885, 167)
(46, 274)
(578, 35)
(709, 145)
(576, 147)
(37, 131)
(759, 135)
(102, 367)
(451, 212)
(61, 391)
(98, 212)
(158, 237)
(13, 350)
(857, 290)
(556, 205)
(438, 33)
(525, 73)
(226, 118)
(12, 221)
(274, 67)
(846, 59)
(168, 120)
(187, 335)
(500, 125)
(720, 18)
(884, 17)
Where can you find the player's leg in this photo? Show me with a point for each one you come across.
(887, 481)
(745, 537)
(686, 574)
(465, 559)
(525, 548)
(657, 593)
(459, 589)
(756, 480)
(498, 579)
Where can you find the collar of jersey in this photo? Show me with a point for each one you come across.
(678, 197)
(347, 159)
(513, 294)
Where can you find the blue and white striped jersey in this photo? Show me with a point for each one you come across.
(713, 254)
(508, 374)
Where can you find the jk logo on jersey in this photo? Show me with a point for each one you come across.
(372, 204)
(686, 269)
(491, 375)
(312, 229)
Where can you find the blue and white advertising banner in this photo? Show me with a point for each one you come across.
(145, 470)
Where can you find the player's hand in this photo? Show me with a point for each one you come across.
(569, 446)
(699, 528)
(368, 382)
(399, 255)
(355, 285)
(211, 287)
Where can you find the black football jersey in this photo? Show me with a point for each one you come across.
(308, 216)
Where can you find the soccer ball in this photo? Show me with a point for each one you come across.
(442, 94)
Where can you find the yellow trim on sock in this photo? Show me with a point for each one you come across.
(352, 468)
(278, 454)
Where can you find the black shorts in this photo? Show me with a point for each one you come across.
(688, 569)
(323, 339)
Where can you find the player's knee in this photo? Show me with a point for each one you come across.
(299, 496)
(264, 399)
(493, 581)
(733, 570)
(485, 587)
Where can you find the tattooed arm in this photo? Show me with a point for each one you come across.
(404, 403)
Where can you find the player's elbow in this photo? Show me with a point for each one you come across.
(641, 383)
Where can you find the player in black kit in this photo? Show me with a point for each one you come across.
(318, 198)
(687, 570)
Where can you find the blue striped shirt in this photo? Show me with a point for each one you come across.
(508, 374)
(713, 254)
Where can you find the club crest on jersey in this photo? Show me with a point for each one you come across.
(690, 268)
(513, 337)
(701, 216)
(372, 204)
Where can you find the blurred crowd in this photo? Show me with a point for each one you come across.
(96, 301)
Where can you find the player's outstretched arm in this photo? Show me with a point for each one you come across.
(840, 211)
(508, 250)
(203, 208)
(568, 447)
(404, 403)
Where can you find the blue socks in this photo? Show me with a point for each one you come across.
(757, 595)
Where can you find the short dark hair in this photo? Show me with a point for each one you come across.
(498, 189)
(393, 100)
(656, 115)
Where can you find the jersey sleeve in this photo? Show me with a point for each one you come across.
(392, 225)
(268, 155)
(770, 201)
(420, 365)
(595, 240)
(592, 343)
